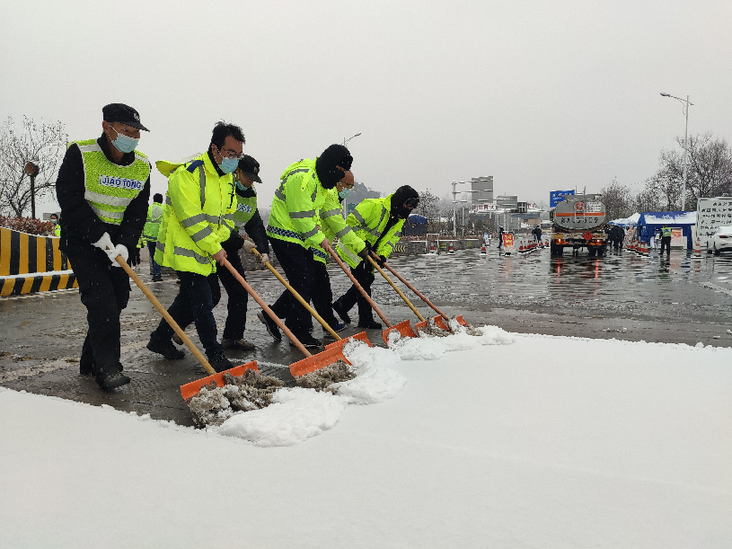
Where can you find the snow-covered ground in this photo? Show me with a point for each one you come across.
(503, 440)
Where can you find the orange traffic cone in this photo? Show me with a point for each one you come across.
(450, 249)
(432, 248)
(697, 246)
(482, 249)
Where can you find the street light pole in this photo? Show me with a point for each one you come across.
(345, 141)
(32, 170)
(685, 103)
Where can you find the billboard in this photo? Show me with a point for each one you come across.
(555, 197)
(710, 214)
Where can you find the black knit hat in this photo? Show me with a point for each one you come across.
(404, 195)
(325, 165)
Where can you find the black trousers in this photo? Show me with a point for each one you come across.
(194, 303)
(364, 275)
(297, 262)
(321, 293)
(238, 297)
(666, 243)
(105, 291)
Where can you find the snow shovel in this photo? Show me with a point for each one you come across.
(439, 318)
(311, 362)
(339, 341)
(190, 389)
(422, 323)
(403, 327)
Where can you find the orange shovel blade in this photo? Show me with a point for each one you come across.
(191, 389)
(339, 344)
(461, 320)
(404, 328)
(440, 323)
(316, 362)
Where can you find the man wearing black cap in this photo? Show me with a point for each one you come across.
(379, 222)
(293, 230)
(245, 217)
(103, 187)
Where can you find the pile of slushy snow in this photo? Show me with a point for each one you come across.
(295, 414)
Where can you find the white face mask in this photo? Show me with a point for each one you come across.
(124, 143)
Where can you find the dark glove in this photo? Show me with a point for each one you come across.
(380, 261)
(135, 257)
(363, 254)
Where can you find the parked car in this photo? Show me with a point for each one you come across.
(722, 240)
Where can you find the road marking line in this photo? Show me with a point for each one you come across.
(715, 287)
(59, 364)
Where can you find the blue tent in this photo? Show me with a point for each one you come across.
(651, 222)
(415, 225)
(416, 219)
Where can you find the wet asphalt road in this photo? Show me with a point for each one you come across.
(623, 295)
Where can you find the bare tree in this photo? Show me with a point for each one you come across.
(42, 144)
(647, 200)
(710, 168)
(618, 200)
(429, 207)
(709, 174)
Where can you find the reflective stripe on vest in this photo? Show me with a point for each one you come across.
(108, 187)
(177, 250)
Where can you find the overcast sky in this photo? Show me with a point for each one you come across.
(540, 94)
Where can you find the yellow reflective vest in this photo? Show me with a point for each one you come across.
(197, 205)
(368, 220)
(109, 188)
(152, 224)
(296, 204)
(335, 227)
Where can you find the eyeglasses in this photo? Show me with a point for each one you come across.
(228, 153)
(411, 203)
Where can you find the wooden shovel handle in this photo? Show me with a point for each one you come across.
(169, 319)
(265, 307)
(360, 288)
(417, 292)
(294, 292)
(401, 294)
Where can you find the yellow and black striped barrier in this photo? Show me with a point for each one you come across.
(31, 263)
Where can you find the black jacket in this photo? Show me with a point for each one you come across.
(254, 228)
(80, 226)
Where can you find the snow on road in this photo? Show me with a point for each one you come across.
(502, 440)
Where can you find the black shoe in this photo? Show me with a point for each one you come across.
(157, 278)
(165, 348)
(336, 328)
(238, 344)
(370, 325)
(309, 342)
(271, 325)
(219, 362)
(109, 381)
(341, 312)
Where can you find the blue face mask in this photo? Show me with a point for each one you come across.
(344, 193)
(228, 165)
(124, 143)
